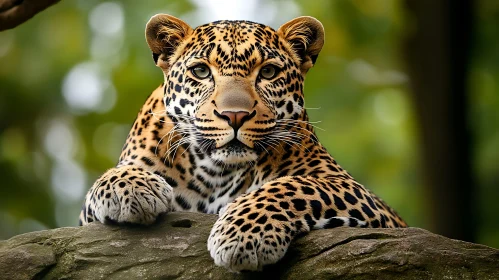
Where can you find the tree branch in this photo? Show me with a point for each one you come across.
(176, 248)
(15, 12)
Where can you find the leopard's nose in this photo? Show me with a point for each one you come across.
(235, 119)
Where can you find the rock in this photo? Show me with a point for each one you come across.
(175, 248)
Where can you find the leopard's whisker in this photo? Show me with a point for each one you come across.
(256, 143)
(172, 130)
(288, 139)
(312, 108)
(287, 127)
(300, 134)
(271, 143)
(311, 123)
(175, 147)
(291, 125)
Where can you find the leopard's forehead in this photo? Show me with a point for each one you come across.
(236, 33)
(238, 28)
(235, 47)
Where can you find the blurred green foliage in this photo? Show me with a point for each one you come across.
(73, 78)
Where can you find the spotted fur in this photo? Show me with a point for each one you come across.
(236, 142)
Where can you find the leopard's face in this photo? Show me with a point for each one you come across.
(231, 84)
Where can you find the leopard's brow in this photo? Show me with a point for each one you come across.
(196, 57)
(264, 52)
(191, 57)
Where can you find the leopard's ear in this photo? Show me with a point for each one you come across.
(164, 33)
(306, 37)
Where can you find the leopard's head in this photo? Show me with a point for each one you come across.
(230, 84)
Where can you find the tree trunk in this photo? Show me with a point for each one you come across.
(437, 54)
(176, 248)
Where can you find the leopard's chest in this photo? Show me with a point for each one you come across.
(208, 187)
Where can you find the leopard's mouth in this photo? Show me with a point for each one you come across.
(235, 146)
(234, 152)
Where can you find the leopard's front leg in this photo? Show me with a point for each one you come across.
(127, 194)
(257, 228)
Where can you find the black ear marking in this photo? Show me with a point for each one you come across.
(155, 57)
(314, 58)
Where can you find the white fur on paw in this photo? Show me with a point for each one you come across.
(240, 251)
(136, 198)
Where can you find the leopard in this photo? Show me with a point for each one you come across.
(227, 133)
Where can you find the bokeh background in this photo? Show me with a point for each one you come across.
(73, 78)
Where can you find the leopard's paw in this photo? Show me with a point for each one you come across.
(127, 194)
(249, 241)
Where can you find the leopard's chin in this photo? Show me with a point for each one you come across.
(234, 153)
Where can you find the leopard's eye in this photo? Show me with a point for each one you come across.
(269, 72)
(201, 71)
